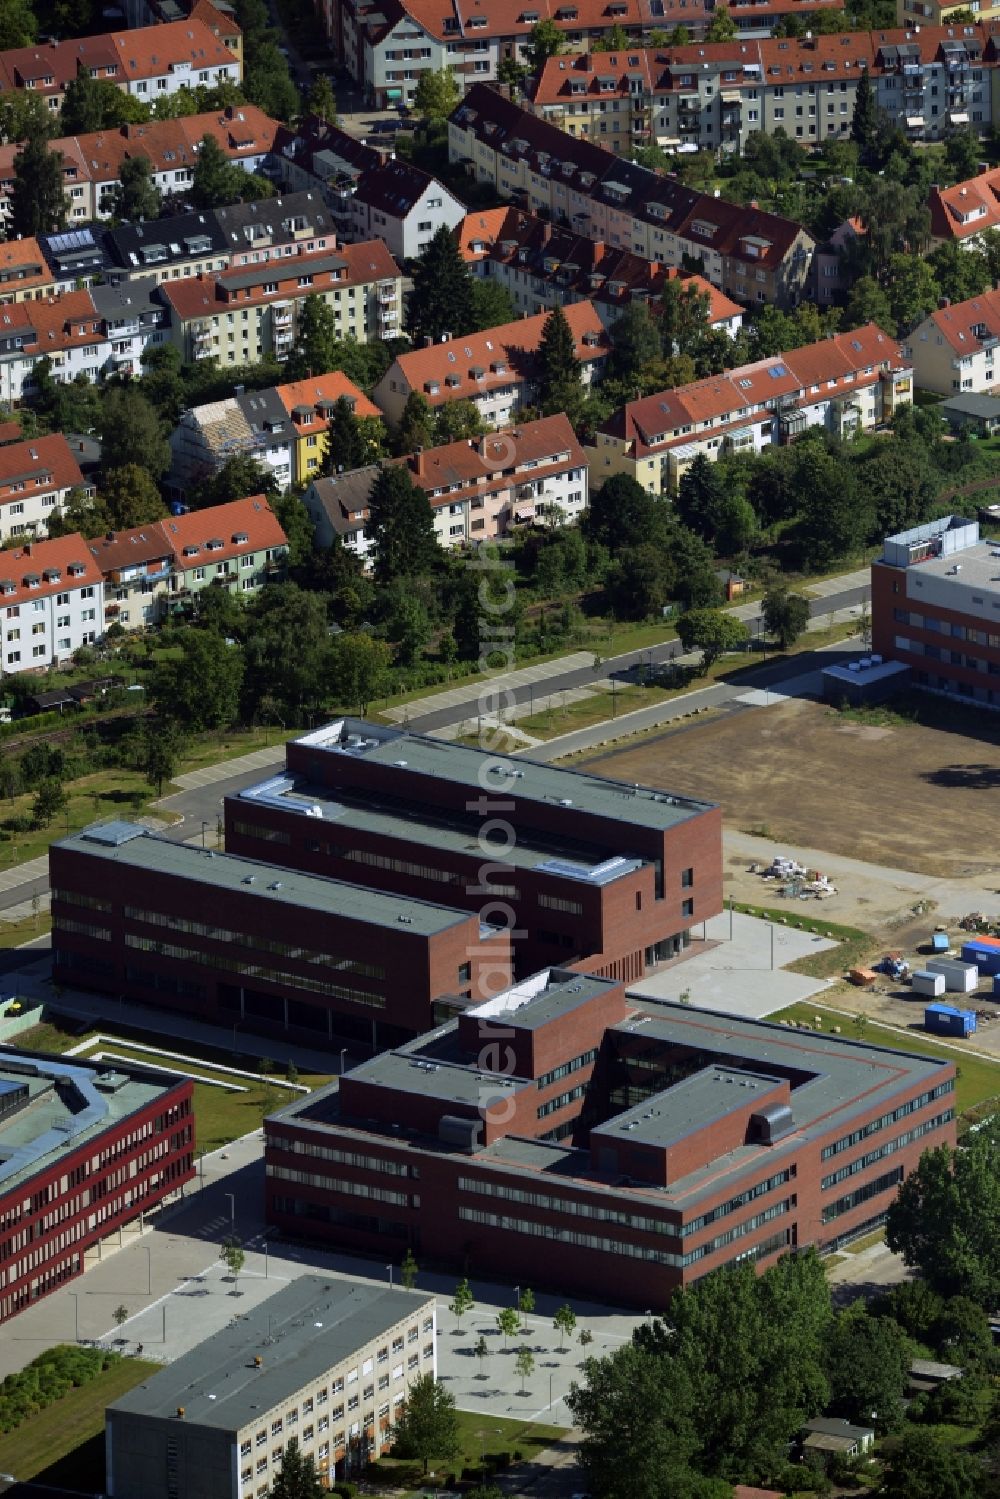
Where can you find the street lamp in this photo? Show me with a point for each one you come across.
(149, 1269)
(343, 1055)
(232, 1206)
(76, 1314)
(204, 825)
(389, 1268)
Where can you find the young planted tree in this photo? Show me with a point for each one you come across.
(481, 1351)
(428, 1426)
(462, 1302)
(160, 754)
(564, 1322)
(586, 1337)
(50, 800)
(525, 1366)
(508, 1322)
(408, 1271)
(233, 1256)
(526, 1304)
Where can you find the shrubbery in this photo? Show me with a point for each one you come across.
(48, 1378)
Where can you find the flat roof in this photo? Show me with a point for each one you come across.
(70, 1102)
(689, 1105)
(302, 1331)
(877, 673)
(407, 1070)
(543, 997)
(979, 567)
(135, 847)
(528, 780)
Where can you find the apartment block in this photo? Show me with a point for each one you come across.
(327, 1364)
(750, 255)
(495, 370)
(37, 477)
(936, 608)
(479, 489)
(51, 602)
(243, 315)
(541, 265)
(85, 1148)
(612, 875)
(251, 944)
(24, 275)
(953, 350)
(646, 1142)
(849, 383)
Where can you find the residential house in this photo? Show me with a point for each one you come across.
(387, 48)
(24, 275)
(479, 489)
(309, 404)
(495, 370)
(828, 1437)
(936, 12)
(136, 566)
(36, 476)
(541, 265)
(753, 256)
(954, 349)
(243, 314)
(133, 318)
(91, 164)
(67, 329)
(150, 63)
(978, 414)
(850, 382)
(51, 602)
(314, 151)
(960, 214)
(398, 203)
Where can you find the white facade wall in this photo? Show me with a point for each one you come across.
(42, 631)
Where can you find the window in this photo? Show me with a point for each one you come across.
(687, 879)
(687, 908)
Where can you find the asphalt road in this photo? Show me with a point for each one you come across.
(616, 666)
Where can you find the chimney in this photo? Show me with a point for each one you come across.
(446, 337)
(981, 167)
(418, 462)
(428, 340)
(27, 548)
(944, 302)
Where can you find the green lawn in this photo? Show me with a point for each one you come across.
(64, 1445)
(978, 1080)
(807, 916)
(498, 1435)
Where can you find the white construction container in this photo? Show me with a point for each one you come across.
(959, 977)
(931, 984)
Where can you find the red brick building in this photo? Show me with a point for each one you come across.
(83, 1150)
(239, 943)
(560, 1116)
(581, 869)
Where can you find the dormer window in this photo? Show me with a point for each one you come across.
(240, 538)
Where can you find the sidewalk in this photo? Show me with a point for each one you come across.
(525, 676)
(224, 770)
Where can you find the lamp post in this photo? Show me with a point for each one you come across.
(149, 1270)
(232, 1206)
(204, 825)
(76, 1315)
(389, 1268)
(343, 1055)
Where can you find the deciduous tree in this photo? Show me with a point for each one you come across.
(463, 1301)
(436, 94)
(785, 615)
(131, 497)
(428, 1426)
(131, 433)
(201, 688)
(545, 40)
(712, 632)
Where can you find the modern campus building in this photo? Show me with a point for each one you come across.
(583, 869)
(242, 943)
(936, 608)
(84, 1149)
(562, 1116)
(326, 1363)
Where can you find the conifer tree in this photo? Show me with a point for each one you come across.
(441, 300)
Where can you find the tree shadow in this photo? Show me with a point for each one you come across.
(976, 777)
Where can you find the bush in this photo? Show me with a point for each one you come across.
(46, 1379)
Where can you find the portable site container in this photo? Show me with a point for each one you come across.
(959, 978)
(984, 952)
(929, 984)
(941, 942)
(946, 1020)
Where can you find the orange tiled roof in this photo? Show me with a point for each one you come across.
(306, 394)
(46, 459)
(957, 322)
(191, 537)
(23, 266)
(966, 209)
(40, 568)
(120, 56)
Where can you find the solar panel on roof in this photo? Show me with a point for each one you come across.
(776, 371)
(74, 239)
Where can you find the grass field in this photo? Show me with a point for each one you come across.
(477, 1434)
(64, 1445)
(978, 1080)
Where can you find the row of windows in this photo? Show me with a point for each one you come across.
(250, 970)
(554, 1104)
(846, 1142)
(84, 929)
(890, 1148)
(584, 1060)
(942, 626)
(695, 1225)
(863, 1194)
(346, 1188)
(75, 898)
(265, 835)
(343, 1157)
(556, 903)
(738, 1231)
(267, 944)
(579, 1209)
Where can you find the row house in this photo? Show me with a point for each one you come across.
(24, 273)
(962, 213)
(158, 569)
(388, 47)
(495, 370)
(543, 265)
(150, 63)
(284, 429)
(939, 12)
(479, 490)
(222, 23)
(954, 349)
(848, 383)
(714, 96)
(92, 163)
(244, 314)
(37, 477)
(51, 602)
(752, 256)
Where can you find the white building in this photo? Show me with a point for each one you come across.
(954, 349)
(51, 602)
(36, 478)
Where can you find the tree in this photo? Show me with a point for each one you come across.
(559, 372)
(712, 632)
(349, 444)
(867, 1362)
(130, 497)
(508, 1322)
(616, 39)
(233, 1256)
(864, 121)
(121, 1315)
(359, 670)
(160, 754)
(201, 688)
(213, 181)
(491, 305)
(267, 81)
(131, 434)
(38, 204)
(785, 615)
(481, 1351)
(428, 1426)
(321, 101)
(238, 477)
(401, 526)
(635, 344)
(526, 1304)
(18, 27)
(135, 195)
(456, 421)
(287, 649)
(564, 1322)
(524, 1365)
(441, 300)
(416, 425)
(436, 94)
(463, 1301)
(622, 514)
(92, 103)
(162, 384)
(297, 1477)
(700, 496)
(408, 1271)
(586, 1337)
(545, 40)
(722, 27)
(50, 800)
(834, 520)
(684, 317)
(921, 1467)
(946, 1219)
(868, 303)
(315, 340)
(912, 289)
